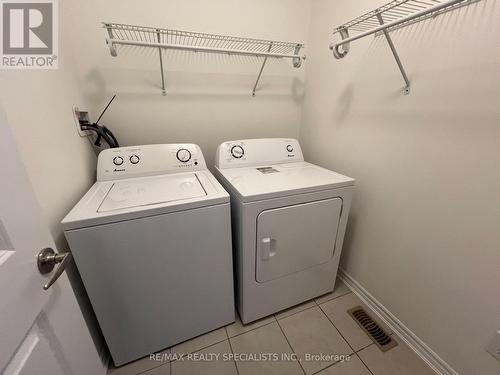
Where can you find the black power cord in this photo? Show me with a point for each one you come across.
(103, 133)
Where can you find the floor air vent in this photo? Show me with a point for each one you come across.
(372, 329)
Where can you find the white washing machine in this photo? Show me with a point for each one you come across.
(289, 219)
(152, 242)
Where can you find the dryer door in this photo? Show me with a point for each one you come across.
(291, 239)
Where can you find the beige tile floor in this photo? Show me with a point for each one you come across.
(314, 327)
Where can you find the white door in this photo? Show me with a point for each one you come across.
(42, 332)
(294, 238)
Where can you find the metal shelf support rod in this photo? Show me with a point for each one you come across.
(163, 91)
(396, 56)
(261, 69)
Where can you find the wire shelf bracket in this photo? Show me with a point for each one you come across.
(388, 17)
(167, 39)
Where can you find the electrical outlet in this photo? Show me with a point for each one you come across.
(81, 114)
(494, 346)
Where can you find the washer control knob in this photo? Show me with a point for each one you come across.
(237, 152)
(183, 155)
(289, 148)
(117, 160)
(134, 159)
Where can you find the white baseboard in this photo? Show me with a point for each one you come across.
(403, 332)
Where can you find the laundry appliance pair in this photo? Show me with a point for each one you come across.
(152, 238)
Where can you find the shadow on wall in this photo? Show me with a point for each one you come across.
(350, 234)
(96, 81)
(343, 104)
(191, 87)
(201, 108)
(181, 85)
(137, 70)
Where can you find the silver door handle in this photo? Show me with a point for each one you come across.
(265, 251)
(47, 260)
(268, 248)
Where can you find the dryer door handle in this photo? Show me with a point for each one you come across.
(267, 248)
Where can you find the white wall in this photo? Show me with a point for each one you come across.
(60, 164)
(209, 96)
(423, 234)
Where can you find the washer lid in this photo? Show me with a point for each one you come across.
(152, 190)
(272, 181)
(135, 198)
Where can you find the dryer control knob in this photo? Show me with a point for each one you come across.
(134, 159)
(183, 155)
(117, 160)
(237, 152)
(289, 148)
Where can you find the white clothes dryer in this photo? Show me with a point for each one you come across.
(288, 219)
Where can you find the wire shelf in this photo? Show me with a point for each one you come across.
(394, 14)
(161, 38)
(392, 11)
(395, 11)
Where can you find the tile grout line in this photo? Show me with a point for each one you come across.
(353, 354)
(203, 348)
(307, 308)
(324, 368)
(228, 338)
(295, 313)
(290, 345)
(253, 329)
(363, 362)
(364, 347)
(334, 298)
(149, 369)
(340, 333)
(232, 351)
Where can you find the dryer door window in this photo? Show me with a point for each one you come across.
(294, 238)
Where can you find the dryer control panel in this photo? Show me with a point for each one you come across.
(249, 152)
(148, 160)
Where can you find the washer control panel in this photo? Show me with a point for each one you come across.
(148, 160)
(250, 152)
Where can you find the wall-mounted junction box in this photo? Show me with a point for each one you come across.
(81, 115)
(494, 346)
